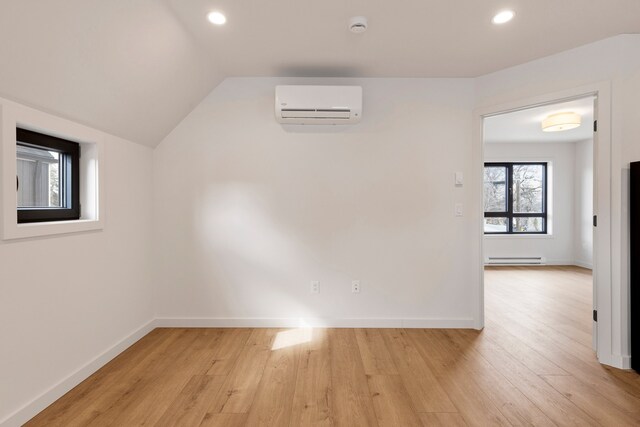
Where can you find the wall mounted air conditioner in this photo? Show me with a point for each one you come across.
(318, 105)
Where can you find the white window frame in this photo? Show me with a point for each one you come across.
(13, 115)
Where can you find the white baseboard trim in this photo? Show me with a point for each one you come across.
(34, 407)
(615, 360)
(583, 264)
(621, 362)
(560, 262)
(548, 262)
(219, 322)
(625, 362)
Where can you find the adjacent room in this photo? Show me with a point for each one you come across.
(227, 213)
(538, 229)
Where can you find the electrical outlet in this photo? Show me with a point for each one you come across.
(458, 209)
(355, 286)
(315, 287)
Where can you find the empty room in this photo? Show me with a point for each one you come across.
(296, 213)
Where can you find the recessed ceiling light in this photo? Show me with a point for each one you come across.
(216, 18)
(503, 17)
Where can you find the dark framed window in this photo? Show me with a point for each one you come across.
(515, 198)
(48, 177)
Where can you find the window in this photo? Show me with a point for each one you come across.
(515, 198)
(47, 177)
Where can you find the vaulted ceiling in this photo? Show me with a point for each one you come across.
(136, 68)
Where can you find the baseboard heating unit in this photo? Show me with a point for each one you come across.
(515, 260)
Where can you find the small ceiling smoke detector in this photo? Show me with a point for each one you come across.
(358, 24)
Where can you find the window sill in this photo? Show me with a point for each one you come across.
(13, 116)
(519, 236)
(38, 229)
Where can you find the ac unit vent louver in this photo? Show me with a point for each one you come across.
(318, 113)
(302, 105)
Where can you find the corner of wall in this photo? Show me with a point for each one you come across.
(35, 406)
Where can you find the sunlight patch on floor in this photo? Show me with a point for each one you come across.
(292, 337)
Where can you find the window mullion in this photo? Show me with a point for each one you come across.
(510, 197)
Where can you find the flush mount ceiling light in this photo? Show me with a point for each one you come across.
(358, 24)
(503, 17)
(216, 18)
(561, 121)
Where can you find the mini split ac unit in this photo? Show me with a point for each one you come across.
(313, 105)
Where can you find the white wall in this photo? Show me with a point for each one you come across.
(616, 62)
(67, 299)
(306, 195)
(630, 152)
(557, 247)
(583, 202)
(249, 212)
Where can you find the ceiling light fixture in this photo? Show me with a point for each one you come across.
(216, 18)
(503, 17)
(561, 121)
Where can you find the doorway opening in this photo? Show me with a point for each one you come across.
(539, 195)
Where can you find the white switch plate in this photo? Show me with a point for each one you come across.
(459, 178)
(355, 286)
(458, 209)
(315, 287)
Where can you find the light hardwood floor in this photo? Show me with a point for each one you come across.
(532, 365)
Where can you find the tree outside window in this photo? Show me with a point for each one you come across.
(515, 198)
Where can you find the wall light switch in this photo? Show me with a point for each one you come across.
(459, 179)
(458, 209)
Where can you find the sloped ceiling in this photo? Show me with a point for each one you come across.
(125, 67)
(136, 68)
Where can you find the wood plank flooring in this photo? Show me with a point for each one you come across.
(532, 365)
